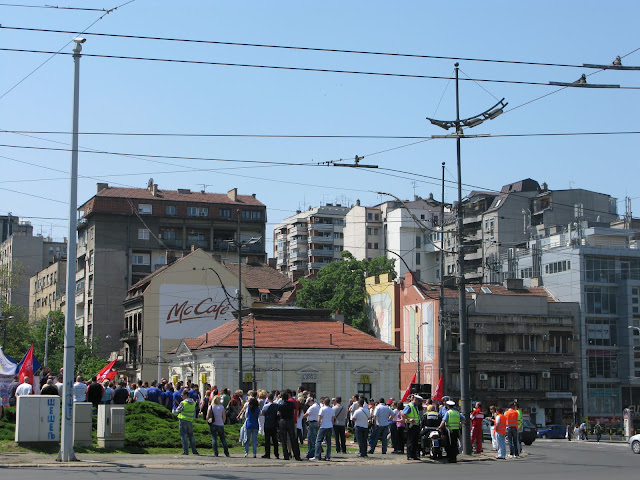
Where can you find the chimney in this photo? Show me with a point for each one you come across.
(233, 194)
(154, 190)
(206, 337)
(331, 339)
(357, 202)
(253, 195)
(102, 186)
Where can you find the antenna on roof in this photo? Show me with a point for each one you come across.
(150, 183)
(204, 187)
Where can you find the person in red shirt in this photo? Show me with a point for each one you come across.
(477, 416)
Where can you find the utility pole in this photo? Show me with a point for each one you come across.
(46, 342)
(458, 125)
(441, 329)
(239, 247)
(253, 352)
(418, 376)
(66, 443)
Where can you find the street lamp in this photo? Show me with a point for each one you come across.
(239, 246)
(66, 443)
(418, 338)
(459, 124)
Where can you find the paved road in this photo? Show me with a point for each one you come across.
(545, 459)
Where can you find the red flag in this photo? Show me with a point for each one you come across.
(437, 395)
(102, 374)
(111, 375)
(27, 367)
(407, 392)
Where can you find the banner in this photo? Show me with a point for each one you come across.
(5, 380)
(7, 366)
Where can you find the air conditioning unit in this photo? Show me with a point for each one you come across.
(484, 376)
(574, 375)
(546, 375)
(203, 214)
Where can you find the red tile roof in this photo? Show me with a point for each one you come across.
(260, 276)
(175, 196)
(289, 328)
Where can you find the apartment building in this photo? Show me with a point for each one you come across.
(124, 234)
(47, 289)
(21, 257)
(496, 223)
(599, 268)
(523, 343)
(307, 241)
(10, 225)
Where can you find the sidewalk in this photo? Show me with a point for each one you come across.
(37, 460)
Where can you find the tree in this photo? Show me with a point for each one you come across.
(340, 286)
(86, 360)
(18, 331)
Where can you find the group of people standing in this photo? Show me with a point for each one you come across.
(506, 426)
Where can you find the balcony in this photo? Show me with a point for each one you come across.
(321, 239)
(298, 254)
(298, 268)
(322, 227)
(79, 274)
(79, 297)
(317, 265)
(324, 252)
(128, 336)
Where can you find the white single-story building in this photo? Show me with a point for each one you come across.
(292, 347)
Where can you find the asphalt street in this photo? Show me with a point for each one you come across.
(544, 459)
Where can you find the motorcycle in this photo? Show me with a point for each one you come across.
(432, 443)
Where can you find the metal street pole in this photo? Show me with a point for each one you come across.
(462, 299)
(159, 350)
(418, 376)
(239, 247)
(46, 342)
(66, 443)
(442, 362)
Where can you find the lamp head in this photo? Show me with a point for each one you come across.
(78, 44)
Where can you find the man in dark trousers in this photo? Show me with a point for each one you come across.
(452, 420)
(286, 411)
(270, 413)
(411, 415)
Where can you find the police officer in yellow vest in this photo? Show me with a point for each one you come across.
(186, 412)
(411, 416)
(452, 420)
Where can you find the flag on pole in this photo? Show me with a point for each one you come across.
(26, 367)
(106, 373)
(437, 395)
(407, 392)
(35, 363)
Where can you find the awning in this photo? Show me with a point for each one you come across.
(264, 290)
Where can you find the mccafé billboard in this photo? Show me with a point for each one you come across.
(187, 311)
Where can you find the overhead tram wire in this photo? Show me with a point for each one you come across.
(301, 69)
(53, 7)
(53, 54)
(313, 49)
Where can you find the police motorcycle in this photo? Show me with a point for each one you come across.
(432, 442)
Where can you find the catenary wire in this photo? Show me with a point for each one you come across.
(54, 7)
(314, 49)
(278, 67)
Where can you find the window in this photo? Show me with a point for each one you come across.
(225, 213)
(369, 245)
(145, 209)
(246, 214)
(171, 210)
(140, 259)
(364, 389)
(601, 331)
(309, 387)
(369, 231)
(369, 216)
(143, 234)
(256, 215)
(526, 272)
(418, 242)
(602, 364)
(417, 258)
(556, 267)
(600, 299)
(377, 217)
(375, 245)
(527, 343)
(338, 235)
(558, 342)
(527, 381)
(601, 270)
(169, 234)
(497, 382)
(495, 343)
(559, 381)
(197, 211)
(630, 269)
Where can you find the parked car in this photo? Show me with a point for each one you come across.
(553, 431)
(529, 431)
(635, 443)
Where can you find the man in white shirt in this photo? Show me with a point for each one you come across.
(312, 426)
(361, 423)
(325, 423)
(381, 415)
(59, 385)
(138, 394)
(25, 388)
(79, 390)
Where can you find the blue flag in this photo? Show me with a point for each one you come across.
(36, 363)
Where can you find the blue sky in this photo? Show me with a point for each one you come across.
(158, 97)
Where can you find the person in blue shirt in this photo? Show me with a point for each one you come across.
(154, 394)
(177, 397)
(251, 425)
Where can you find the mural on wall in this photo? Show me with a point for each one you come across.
(381, 316)
(418, 320)
(192, 310)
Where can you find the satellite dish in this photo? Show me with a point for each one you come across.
(150, 183)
